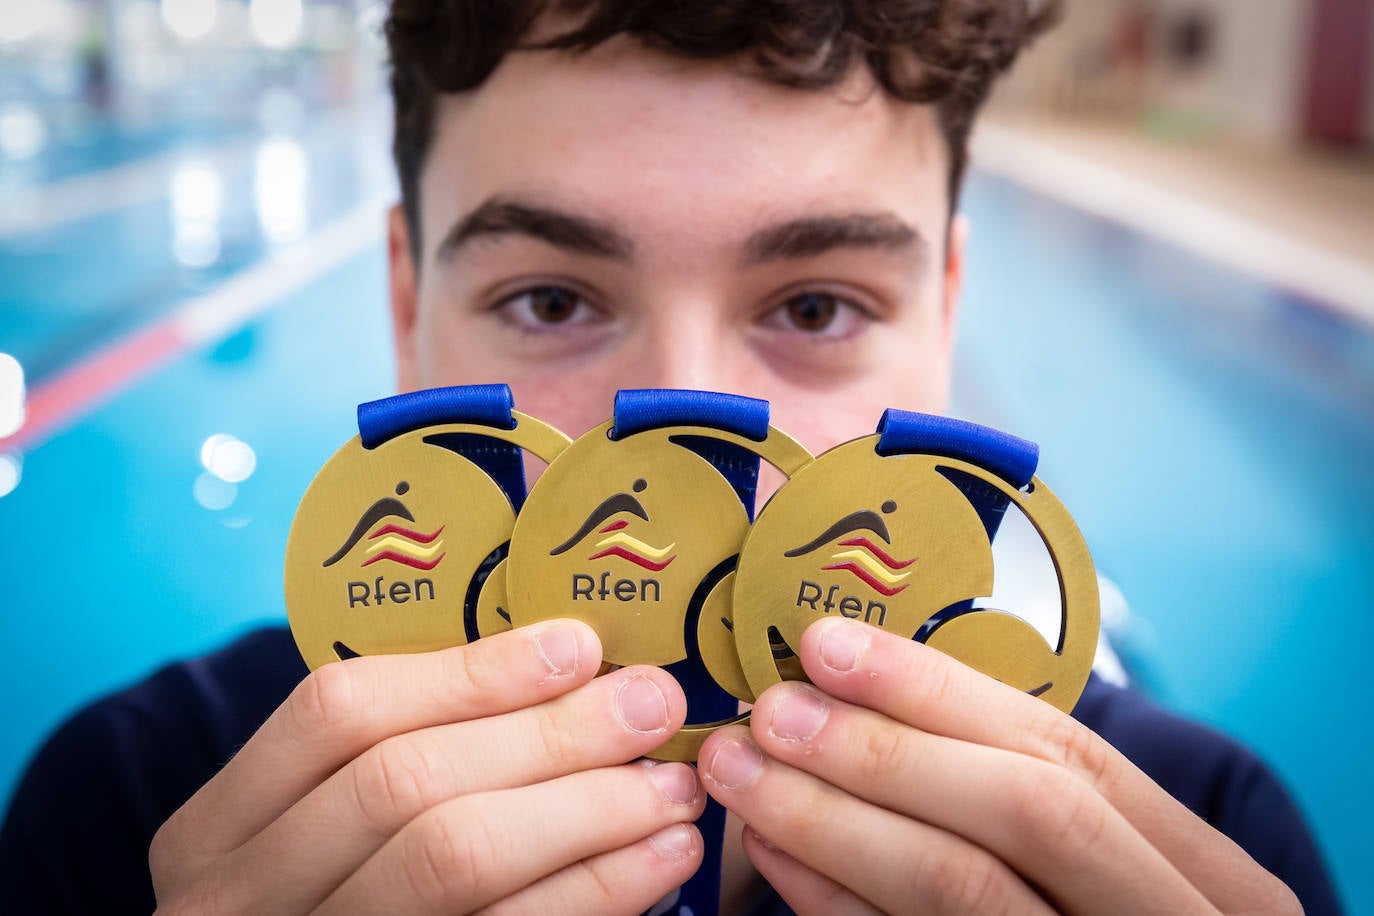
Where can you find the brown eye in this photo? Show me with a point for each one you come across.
(812, 311)
(552, 304)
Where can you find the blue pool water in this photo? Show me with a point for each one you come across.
(1211, 434)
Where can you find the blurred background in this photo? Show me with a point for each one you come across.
(1171, 289)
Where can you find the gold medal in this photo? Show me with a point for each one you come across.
(893, 541)
(387, 542)
(629, 535)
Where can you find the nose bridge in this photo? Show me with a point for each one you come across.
(685, 342)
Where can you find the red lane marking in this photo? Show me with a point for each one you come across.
(407, 533)
(624, 554)
(867, 577)
(402, 558)
(878, 552)
(614, 526)
(55, 403)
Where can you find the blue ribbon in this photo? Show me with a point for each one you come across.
(1011, 458)
(481, 405)
(648, 408)
(640, 410)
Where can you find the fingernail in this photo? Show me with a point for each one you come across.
(557, 648)
(674, 842)
(763, 840)
(842, 645)
(640, 706)
(736, 763)
(798, 715)
(675, 782)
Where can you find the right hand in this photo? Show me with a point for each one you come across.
(493, 777)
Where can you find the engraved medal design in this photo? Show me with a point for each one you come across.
(893, 541)
(629, 535)
(386, 547)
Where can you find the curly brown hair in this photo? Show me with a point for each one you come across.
(941, 52)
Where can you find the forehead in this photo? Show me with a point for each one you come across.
(663, 142)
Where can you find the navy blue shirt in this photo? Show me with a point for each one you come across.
(77, 834)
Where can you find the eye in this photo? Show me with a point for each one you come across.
(812, 311)
(817, 314)
(542, 307)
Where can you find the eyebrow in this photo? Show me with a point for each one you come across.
(804, 237)
(505, 216)
(810, 236)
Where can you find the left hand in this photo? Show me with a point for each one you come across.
(905, 781)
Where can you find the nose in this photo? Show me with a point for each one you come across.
(685, 344)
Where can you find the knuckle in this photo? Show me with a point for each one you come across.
(326, 700)
(556, 742)
(965, 882)
(883, 752)
(936, 680)
(165, 853)
(445, 863)
(599, 884)
(394, 782)
(1073, 745)
(206, 897)
(1278, 898)
(809, 827)
(1057, 805)
(173, 855)
(470, 669)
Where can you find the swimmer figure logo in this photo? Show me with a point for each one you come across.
(392, 543)
(860, 556)
(621, 544)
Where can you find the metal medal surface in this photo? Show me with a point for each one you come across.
(386, 543)
(891, 540)
(628, 535)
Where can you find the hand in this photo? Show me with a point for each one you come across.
(489, 777)
(905, 781)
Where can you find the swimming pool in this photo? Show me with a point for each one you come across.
(1210, 433)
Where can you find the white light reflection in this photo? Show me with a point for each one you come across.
(276, 23)
(22, 21)
(214, 494)
(230, 459)
(11, 395)
(189, 19)
(22, 132)
(279, 189)
(11, 470)
(197, 201)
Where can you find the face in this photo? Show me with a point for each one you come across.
(627, 219)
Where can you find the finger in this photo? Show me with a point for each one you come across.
(628, 880)
(890, 859)
(925, 688)
(1047, 823)
(473, 851)
(610, 721)
(343, 708)
(805, 890)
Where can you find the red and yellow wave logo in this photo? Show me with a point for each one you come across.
(628, 547)
(872, 564)
(407, 547)
(619, 542)
(860, 555)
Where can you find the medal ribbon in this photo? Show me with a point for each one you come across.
(1009, 457)
(485, 405)
(639, 410)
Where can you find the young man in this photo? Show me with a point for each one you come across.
(748, 197)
